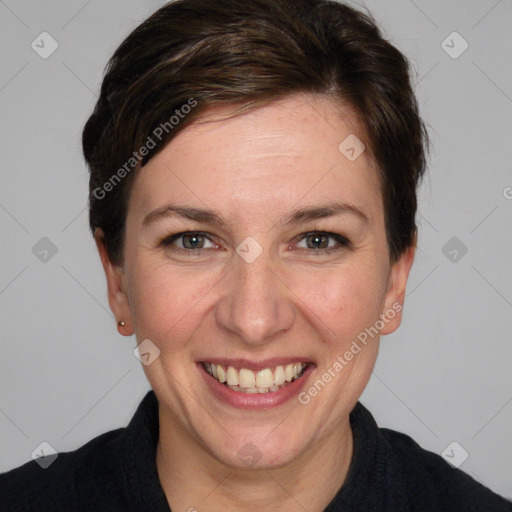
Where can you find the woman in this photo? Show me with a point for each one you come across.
(254, 167)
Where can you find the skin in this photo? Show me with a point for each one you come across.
(293, 300)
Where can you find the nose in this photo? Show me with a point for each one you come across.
(255, 305)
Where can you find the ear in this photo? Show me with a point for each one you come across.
(117, 297)
(395, 295)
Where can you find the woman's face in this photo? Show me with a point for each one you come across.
(285, 261)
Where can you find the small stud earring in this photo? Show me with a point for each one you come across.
(121, 323)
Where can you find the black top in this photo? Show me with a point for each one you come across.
(116, 471)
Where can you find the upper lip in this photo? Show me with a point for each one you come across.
(255, 365)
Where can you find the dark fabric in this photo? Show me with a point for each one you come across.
(117, 472)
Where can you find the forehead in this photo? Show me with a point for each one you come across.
(271, 158)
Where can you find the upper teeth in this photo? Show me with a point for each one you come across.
(245, 378)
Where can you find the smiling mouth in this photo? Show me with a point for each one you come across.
(267, 380)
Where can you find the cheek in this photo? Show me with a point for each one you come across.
(343, 301)
(167, 301)
(342, 306)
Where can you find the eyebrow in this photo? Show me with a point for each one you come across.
(214, 218)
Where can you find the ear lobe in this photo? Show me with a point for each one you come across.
(395, 294)
(117, 297)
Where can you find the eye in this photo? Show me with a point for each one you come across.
(323, 242)
(188, 241)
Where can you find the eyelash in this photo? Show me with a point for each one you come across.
(342, 241)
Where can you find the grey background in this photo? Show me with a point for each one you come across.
(67, 376)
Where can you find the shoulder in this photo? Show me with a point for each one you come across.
(433, 484)
(73, 479)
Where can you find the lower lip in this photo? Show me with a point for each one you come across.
(255, 401)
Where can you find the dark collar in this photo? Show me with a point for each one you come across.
(139, 459)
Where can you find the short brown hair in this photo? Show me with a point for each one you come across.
(203, 53)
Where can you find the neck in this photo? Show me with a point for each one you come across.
(193, 479)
